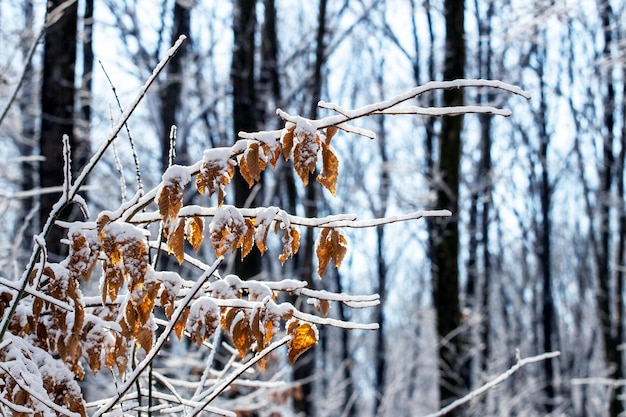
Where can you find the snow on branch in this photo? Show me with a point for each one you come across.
(498, 380)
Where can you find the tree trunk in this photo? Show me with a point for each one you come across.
(27, 147)
(445, 250)
(83, 134)
(57, 117)
(304, 404)
(171, 93)
(245, 115)
(606, 313)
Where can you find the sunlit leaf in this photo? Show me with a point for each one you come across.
(303, 337)
(331, 245)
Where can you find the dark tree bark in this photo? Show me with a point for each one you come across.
(478, 280)
(611, 334)
(57, 106)
(304, 372)
(82, 151)
(171, 93)
(245, 114)
(545, 236)
(28, 145)
(445, 249)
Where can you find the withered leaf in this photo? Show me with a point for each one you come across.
(305, 153)
(291, 243)
(331, 245)
(176, 241)
(252, 163)
(304, 336)
(214, 175)
(330, 171)
(286, 142)
(170, 201)
(194, 230)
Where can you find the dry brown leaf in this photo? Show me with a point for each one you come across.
(176, 241)
(170, 201)
(102, 221)
(229, 231)
(194, 231)
(303, 337)
(203, 319)
(82, 256)
(241, 333)
(323, 306)
(181, 324)
(286, 142)
(331, 245)
(247, 242)
(291, 243)
(214, 175)
(252, 163)
(145, 338)
(305, 153)
(330, 171)
(274, 153)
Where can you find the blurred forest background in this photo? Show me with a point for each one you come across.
(534, 259)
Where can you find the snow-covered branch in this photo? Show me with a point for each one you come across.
(498, 380)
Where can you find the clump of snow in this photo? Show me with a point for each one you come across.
(177, 174)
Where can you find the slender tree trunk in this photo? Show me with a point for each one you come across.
(28, 144)
(82, 151)
(609, 327)
(545, 250)
(381, 264)
(171, 93)
(57, 117)
(445, 269)
(245, 115)
(304, 372)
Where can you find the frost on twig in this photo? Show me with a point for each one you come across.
(498, 380)
(107, 331)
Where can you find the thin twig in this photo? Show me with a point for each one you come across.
(160, 342)
(130, 137)
(489, 385)
(237, 373)
(82, 177)
(20, 82)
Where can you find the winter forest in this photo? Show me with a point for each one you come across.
(312, 208)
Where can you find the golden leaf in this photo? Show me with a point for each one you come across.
(252, 163)
(102, 221)
(241, 333)
(248, 239)
(113, 280)
(323, 306)
(303, 337)
(203, 320)
(181, 324)
(305, 154)
(145, 338)
(274, 153)
(291, 243)
(82, 256)
(214, 175)
(170, 201)
(194, 230)
(176, 241)
(229, 231)
(330, 171)
(330, 132)
(331, 245)
(286, 142)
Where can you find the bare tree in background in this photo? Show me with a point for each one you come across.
(57, 108)
(445, 234)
